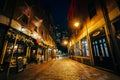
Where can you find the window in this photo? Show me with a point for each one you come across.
(85, 51)
(106, 50)
(118, 2)
(77, 45)
(91, 9)
(77, 49)
(35, 29)
(100, 47)
(25, 19)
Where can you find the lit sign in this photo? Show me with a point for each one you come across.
(96, 33)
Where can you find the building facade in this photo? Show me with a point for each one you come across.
(97, 39)
(24, 37)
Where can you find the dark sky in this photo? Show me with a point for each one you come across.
(59, 10)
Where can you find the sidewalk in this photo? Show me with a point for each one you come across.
(14, 72)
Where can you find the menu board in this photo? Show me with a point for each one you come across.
(20, 64)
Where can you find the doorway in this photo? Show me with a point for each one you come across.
(100, 49)
(116, 27)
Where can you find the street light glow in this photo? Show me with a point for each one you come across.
(65, 42)
(76, 24)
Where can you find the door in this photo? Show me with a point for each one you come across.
(116, 25)
(117, 32)
(100, 49)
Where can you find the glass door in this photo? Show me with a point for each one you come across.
(101, 52)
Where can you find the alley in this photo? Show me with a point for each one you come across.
(62, 69)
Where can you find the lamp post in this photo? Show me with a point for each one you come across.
(65, 42)
(76, 25)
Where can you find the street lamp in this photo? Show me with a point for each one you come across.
(76, 25)
(65, 42)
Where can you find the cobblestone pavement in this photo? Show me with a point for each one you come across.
(63, 69)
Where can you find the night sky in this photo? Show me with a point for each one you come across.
(59, 9)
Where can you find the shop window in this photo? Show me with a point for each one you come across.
(77, 49)
(94, 49)
(39, 51)
(101, 46)
(118, 2)
(19, 50)
(97, 49)
(91, 9)
(106, 50)
(85, 51)
(8, 52)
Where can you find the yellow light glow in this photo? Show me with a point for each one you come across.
(23, 30)
(15, 46)
(76, 24)
(70, 43)
(65, 42)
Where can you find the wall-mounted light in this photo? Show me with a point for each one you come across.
(23, 29)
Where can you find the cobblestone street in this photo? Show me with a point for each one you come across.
(63, 69)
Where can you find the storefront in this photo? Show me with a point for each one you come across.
(39, 54)
(49, 53)
(14, 50)
(100, 49)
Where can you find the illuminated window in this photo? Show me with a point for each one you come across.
(94, 50)
(77, 50)
(102, 50)
(106, 50)
(97, 50)
(85, 50)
